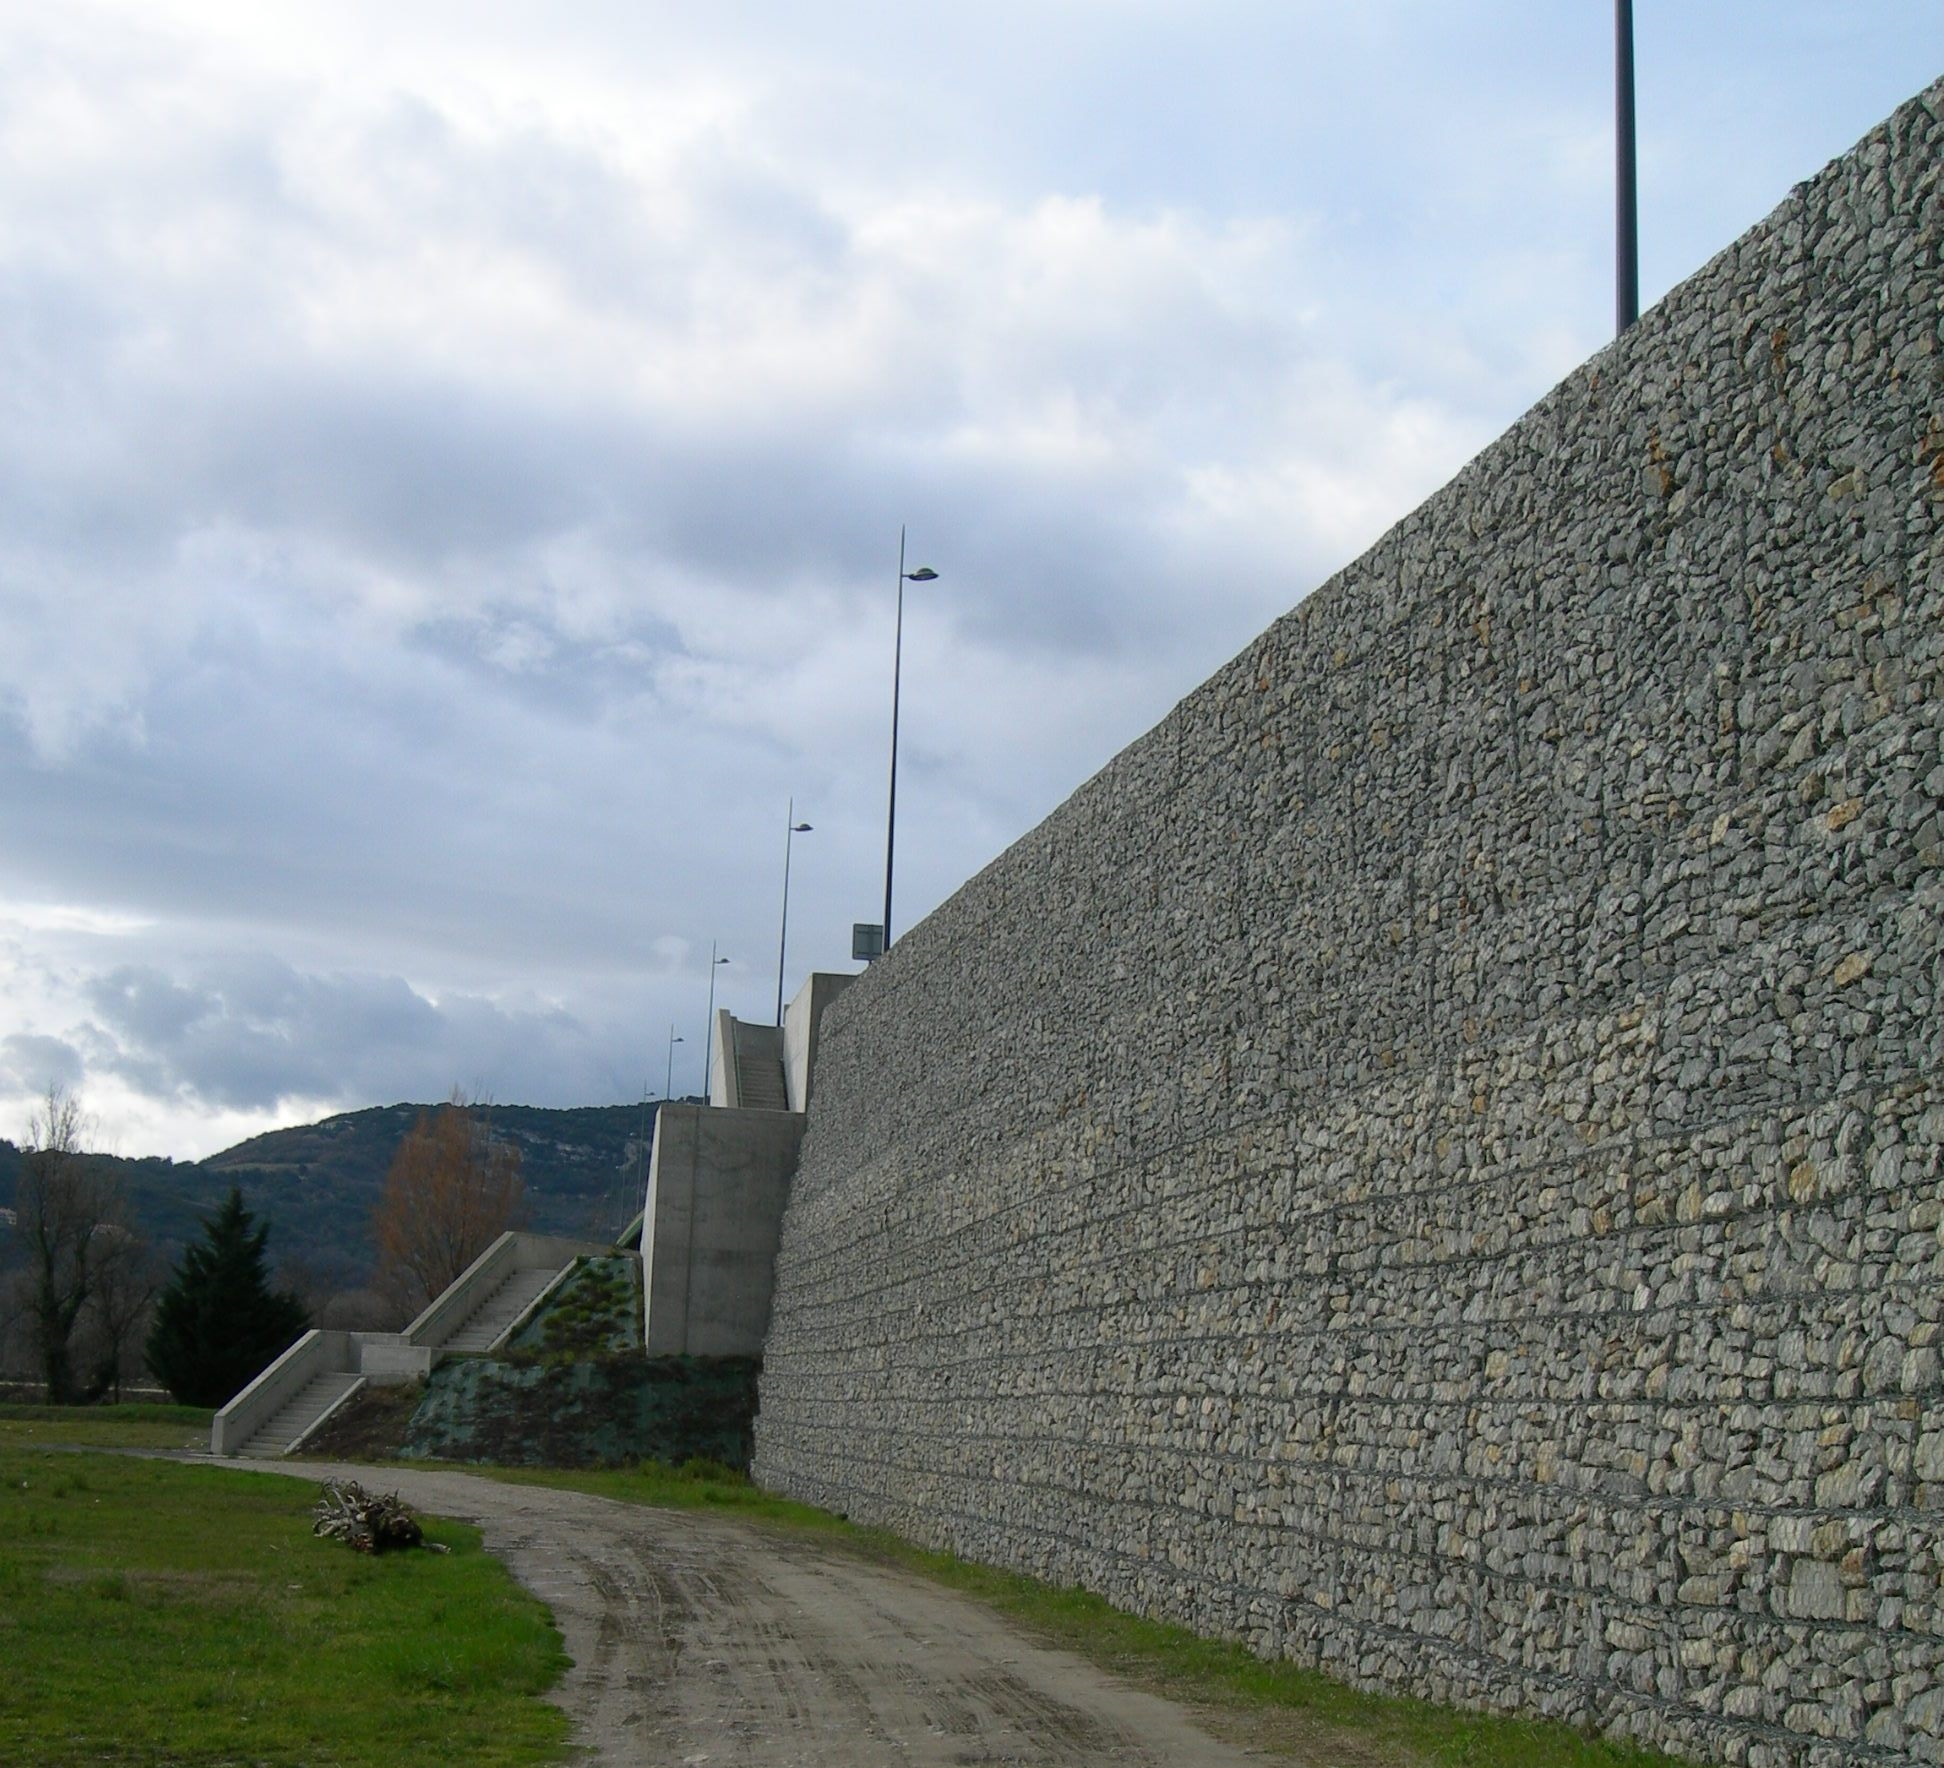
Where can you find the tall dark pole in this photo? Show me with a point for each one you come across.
(708, 1030)
(1626, 218)
(891, 811)
(794, 829)
(668, 1082)
(924, 574)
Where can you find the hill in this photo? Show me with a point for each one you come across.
(317, 1184)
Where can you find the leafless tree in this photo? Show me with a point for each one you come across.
(115, 1323)
(70, 1222)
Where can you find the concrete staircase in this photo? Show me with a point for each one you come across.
(324, 1368)
(759, 1068)
(301, 1414)
(500, 1308)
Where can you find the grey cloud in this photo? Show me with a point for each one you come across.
(439, 530)
(147, 1005)
(30, 1064)
(263, 1032)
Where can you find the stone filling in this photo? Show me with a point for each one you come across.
(1429, 1163)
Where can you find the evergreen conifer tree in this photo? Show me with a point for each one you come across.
(219, 1323)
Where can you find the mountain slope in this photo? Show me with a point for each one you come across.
(317, 1184)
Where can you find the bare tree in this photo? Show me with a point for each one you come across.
(70, 1222)
(127, 1281)
(452, 1190)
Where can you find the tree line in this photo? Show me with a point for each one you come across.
(87, 1306)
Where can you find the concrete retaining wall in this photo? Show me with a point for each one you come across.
(1432, 1165)
(716, 1190)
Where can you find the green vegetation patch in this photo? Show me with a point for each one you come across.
(105, 1427)
(592, 1412)
(156, 1613)
(595, 1312)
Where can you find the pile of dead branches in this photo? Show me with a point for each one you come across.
(347, 1512)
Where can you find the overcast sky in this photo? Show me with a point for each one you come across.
(452, 459)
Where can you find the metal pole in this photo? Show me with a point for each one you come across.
(1626, 257)
(794, 829)
(642, 1137)
(708, 1030)
(668, 1081)
(891, 811)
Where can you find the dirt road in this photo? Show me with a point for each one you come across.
(697, 1640)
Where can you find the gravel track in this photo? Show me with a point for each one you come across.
(698, 1639)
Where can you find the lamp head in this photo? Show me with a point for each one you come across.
(924, 574)
(795, 829)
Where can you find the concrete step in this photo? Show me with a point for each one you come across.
(299, 1413)
(759, 1068)
(501, 1308)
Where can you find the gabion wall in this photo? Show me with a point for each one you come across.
(1430, 1161)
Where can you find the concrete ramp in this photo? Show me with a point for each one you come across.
(759, 1068)
(495, 1291)
(301, 1414)
(502, 1308)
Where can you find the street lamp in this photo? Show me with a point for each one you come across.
(791, 832)
(924, 574)
(668, 1081)
(708, 1030)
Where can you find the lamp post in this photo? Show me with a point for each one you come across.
(792, 831)
(708, 1029)
(924, 574)
(668, 1081)
(1626, 217)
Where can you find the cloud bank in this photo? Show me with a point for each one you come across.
(451, 469)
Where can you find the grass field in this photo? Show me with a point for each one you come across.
(155, 1613)
(117, 1427)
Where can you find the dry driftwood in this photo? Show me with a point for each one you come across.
(371, 1524)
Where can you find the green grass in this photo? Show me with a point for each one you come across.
(105, 1427)
(1169, 1660)
(153, 1613)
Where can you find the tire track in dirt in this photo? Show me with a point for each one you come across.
(698, 1640)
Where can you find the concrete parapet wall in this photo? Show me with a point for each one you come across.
(1435, 1163)
(803, 1028)
(387, 1359)
(716, 1189)
(722, 1059)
